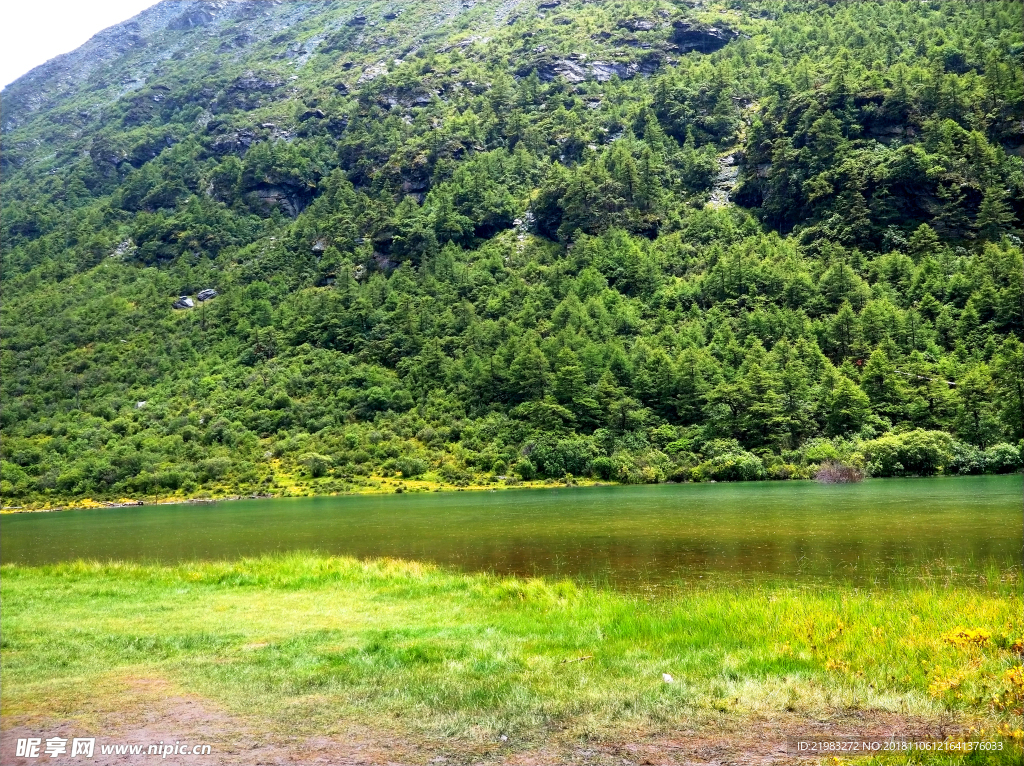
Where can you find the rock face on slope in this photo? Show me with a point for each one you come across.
(128, 57)
(688, 36)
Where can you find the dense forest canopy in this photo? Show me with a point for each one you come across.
(637, 241)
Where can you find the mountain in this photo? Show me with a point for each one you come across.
(291, 247)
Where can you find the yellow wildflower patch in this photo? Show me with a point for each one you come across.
(964, 637)
(1012, 696)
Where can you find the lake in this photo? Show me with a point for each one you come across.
(623, 535)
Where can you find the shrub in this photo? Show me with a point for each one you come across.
(214, 468)
(453, 474)
(820, 451)
(782, 471)
(838, 473)
(733, 466)
(315, 463)
(915, 453)
(524, 469)
(412, 466)
(965, 459)
(1002, 458)
(602, 467)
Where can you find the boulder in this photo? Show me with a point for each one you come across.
(207, 294)
(183, 302)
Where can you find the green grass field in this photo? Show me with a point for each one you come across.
(310, 641)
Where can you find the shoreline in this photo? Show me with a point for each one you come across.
(387, 487)
(392, 486)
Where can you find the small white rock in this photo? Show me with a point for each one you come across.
(667, 678)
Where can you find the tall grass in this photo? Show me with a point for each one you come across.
(311, 640)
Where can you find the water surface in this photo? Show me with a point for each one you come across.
(646, 534)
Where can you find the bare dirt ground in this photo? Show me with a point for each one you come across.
(151, 712)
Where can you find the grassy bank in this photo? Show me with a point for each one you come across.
(312, 641)
(298, 487)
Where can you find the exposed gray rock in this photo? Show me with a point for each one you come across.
(725, 181)
(688, 36)
(605, 70)
(207, 294)
(199, 16)
(575, 69)
(184, 302)
(287, 198)
(415, 185)
(126, 249)
(384, 263)
(237, 142)
(568, 69)
(637, 25)
(372, 73)
(251, 81)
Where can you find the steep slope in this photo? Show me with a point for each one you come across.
(635, 241)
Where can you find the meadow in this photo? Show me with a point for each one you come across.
(309, 645)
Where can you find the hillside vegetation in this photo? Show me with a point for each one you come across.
(635, 241)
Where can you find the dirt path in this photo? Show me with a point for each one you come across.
(152, 712)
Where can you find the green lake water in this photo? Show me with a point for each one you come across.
(645, 534)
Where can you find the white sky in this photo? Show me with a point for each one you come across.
(34, 31)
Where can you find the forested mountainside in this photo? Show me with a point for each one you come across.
(497, 240)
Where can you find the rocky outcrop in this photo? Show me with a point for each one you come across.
(725, 181)
(236, 142)
(250, 91)
(199, 16)
(637, 25)
(125, 250)
(688, 36)
(289, 199)
(606, 70)
(372, 73)
(576, 69)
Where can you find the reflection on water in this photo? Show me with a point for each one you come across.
(644, 534)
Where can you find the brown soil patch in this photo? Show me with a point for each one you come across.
(151, 711)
